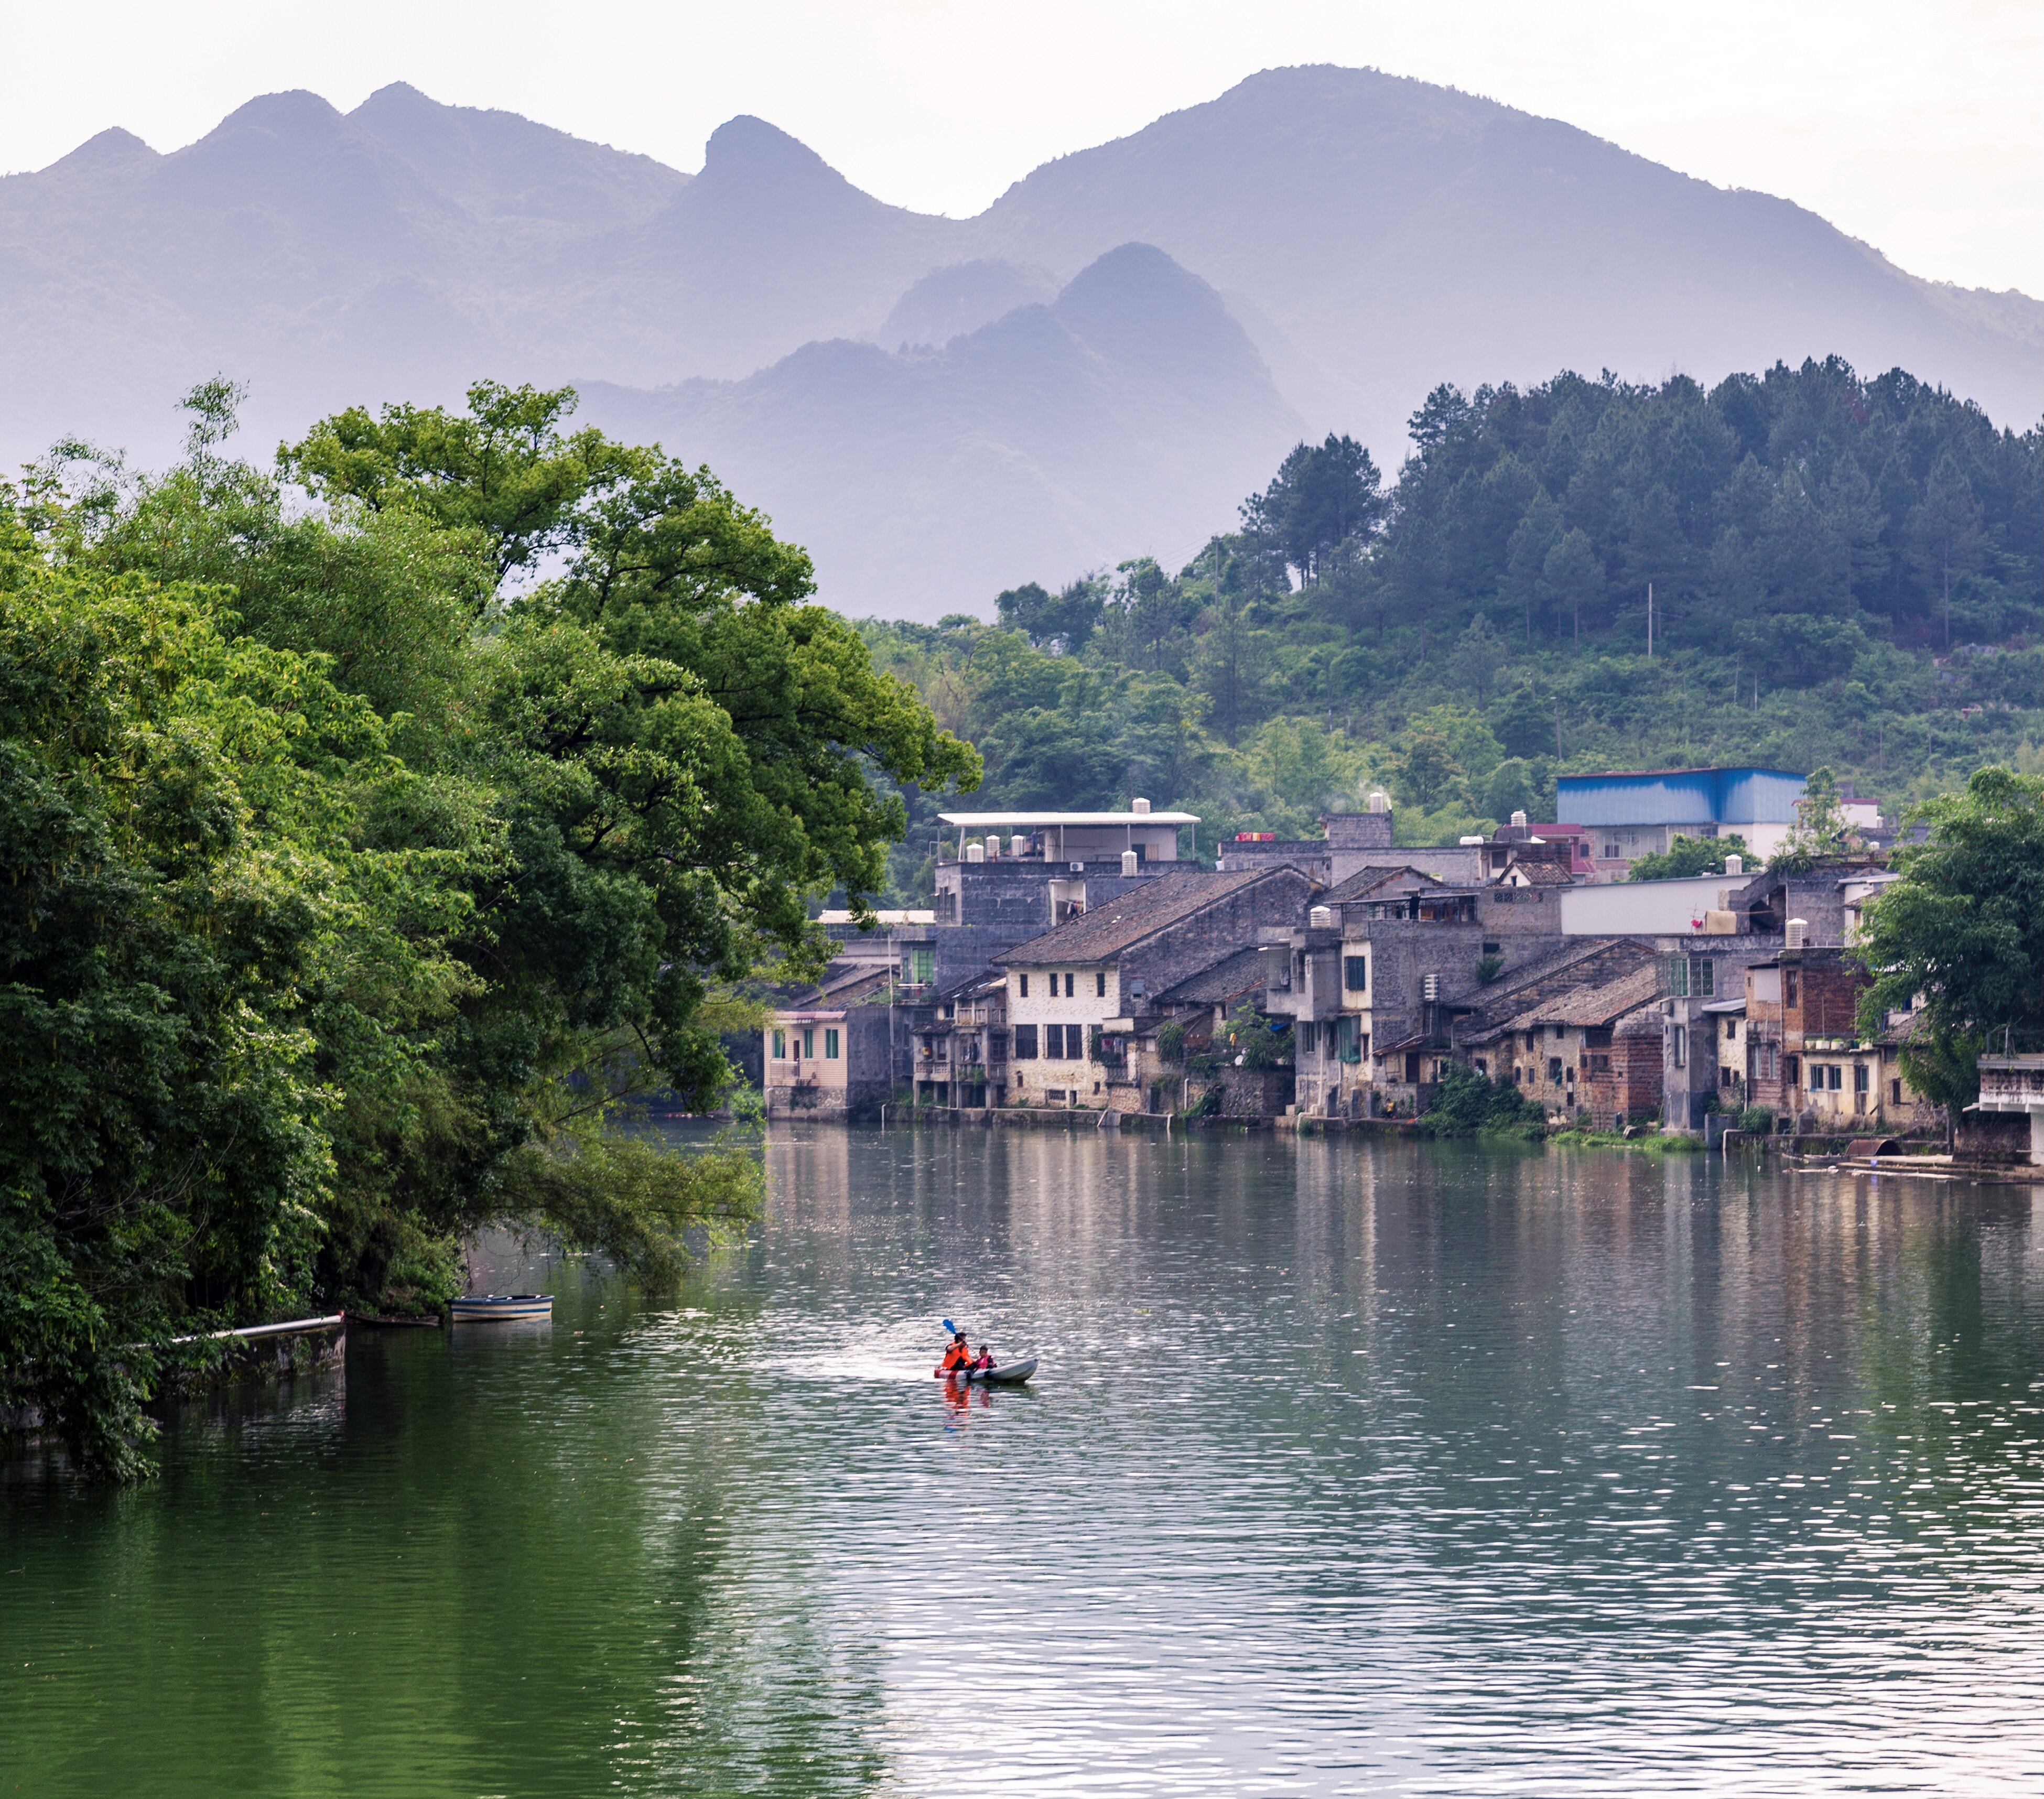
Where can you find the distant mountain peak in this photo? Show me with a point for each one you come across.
(748, 149)
(295, 112)
(113, 148)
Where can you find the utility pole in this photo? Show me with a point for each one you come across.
(1650, 621)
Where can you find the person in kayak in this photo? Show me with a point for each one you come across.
(957, 1355)
(985, 1364)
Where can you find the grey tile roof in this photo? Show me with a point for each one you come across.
(1227, 979)
(1592, 1005)
(1366, 881)
(1584, 964)
(1107, 930)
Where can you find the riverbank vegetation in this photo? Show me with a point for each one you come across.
(362, 856)
(1844, 572)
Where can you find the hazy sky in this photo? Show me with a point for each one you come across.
(1917, 125)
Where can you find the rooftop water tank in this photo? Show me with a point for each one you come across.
(1735, 865)
(1138, 805)
(1130, 862)
(1321, 918)
(975, 852)
(1519, 820)
(1018, 845)
(1799, 932)
(1380, 801)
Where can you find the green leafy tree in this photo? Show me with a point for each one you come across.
(1426, 768)
(1688, 856)
(1062, 622)
(1959, 938)
(1572, 579)
(1324, 496)
(1819, 833)
(403, 964)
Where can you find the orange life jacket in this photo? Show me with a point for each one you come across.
(957, 1356)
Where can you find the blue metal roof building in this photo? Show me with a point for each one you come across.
(1693, 799)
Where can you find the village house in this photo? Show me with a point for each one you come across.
(959, 1053)
(826, 1052)
(1804, 1056)
(1077, 995)
(1586, 1045)
(1383, 965)
(1632, 813)
(2009, 1110)
(1002, 878)
(1202, 1008)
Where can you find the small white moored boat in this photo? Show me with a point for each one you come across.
(497, 1307)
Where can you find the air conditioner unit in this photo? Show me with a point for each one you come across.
(1078, 868)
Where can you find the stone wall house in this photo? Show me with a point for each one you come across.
(1079, 995)
(2006, 1121)
(1585, 1038)
(1201, 1007)
(958, 1051)
(826, 1051)
(1383, 964)
(1805, 1058)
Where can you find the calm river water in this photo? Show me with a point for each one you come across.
(1349, 1469)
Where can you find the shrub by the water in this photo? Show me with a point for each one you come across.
(1467, 1103)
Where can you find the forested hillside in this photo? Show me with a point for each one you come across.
(1843, 571)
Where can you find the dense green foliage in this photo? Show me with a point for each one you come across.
(1466, 1102)
(1962, 932)
(1687, 856)
(1844, 572)
(356, 873)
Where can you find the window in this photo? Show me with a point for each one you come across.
(1022, 986)
(1303, 1037)
(830, 1045)
(1349, 1039)
(1555, 1070)
(1731, 1030)
(1789, 986)
(1791, 1070)
(1859, 1077)
(809, 1042)
(1100, 985)
(1482, 1067)
(1493, 949)
(1834, 1078)
(921, 962)
(1025, 1043)
(1691, 977)
(1053, 1042)
(1894, 1092)
(1681, 1047)
(780, 1045)
(1355, 973)
(1069, 979)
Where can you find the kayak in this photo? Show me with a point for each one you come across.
(1013, 1373)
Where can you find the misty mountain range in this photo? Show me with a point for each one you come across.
(1100, 364)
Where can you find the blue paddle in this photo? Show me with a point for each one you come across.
(950, 1328)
